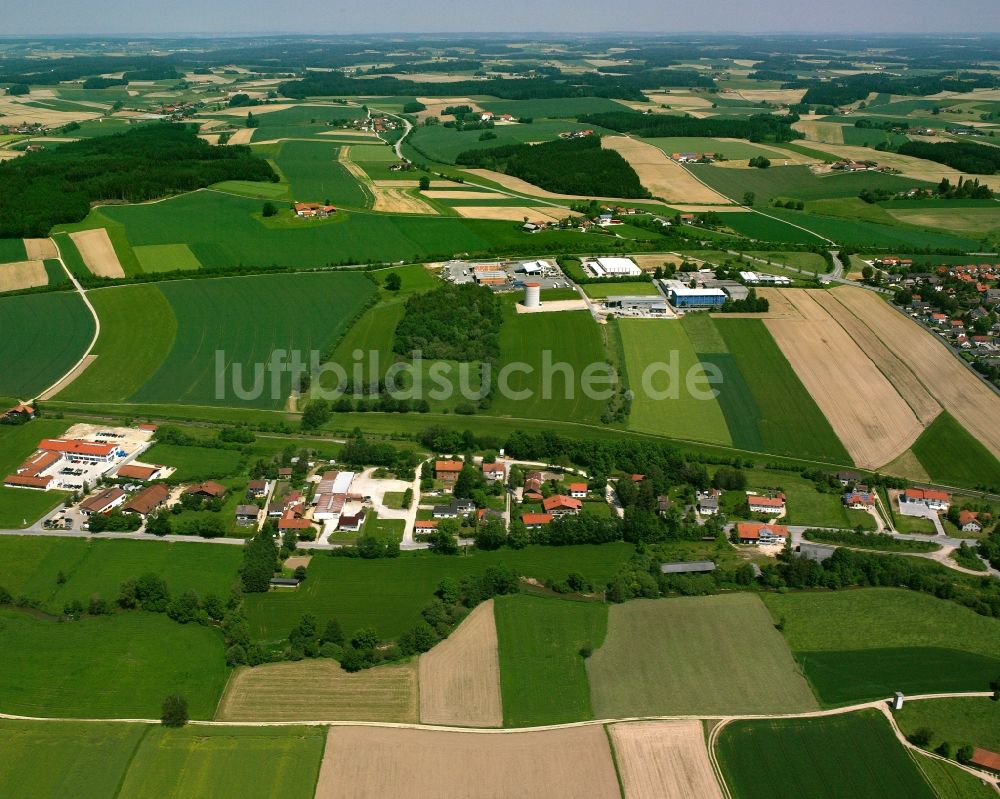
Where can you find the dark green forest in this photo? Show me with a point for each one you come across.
(454, 323)
(965, 156)
(759, 127)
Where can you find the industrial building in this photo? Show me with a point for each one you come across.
(612, 267)
(682, 296)
(760, 278)
(646, 305)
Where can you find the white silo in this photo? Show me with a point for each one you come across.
(532, 295)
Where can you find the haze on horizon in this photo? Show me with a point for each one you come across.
(155, 17)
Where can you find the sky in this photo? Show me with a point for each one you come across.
(96, 17)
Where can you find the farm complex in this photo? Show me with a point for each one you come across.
(489, 416)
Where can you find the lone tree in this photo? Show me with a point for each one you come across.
(749, 198)
(393, 282)
(425, 183)
(270, 209)
(175, 711)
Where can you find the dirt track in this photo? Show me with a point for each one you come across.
(664, 760)
(658, 173)
(373, 763)
(460, 677)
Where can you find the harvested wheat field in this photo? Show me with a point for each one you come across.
(523, 187)
(779, 307)
(924, 406)
(40, 249)
(211, 138)
(459, 194)
(460, 677)
(511, 213)
(97, 252)
(241, 111)
(319, 690)
(242, 136)
(435, 105)
(866, 412)
(372, 763)
(664, 178)
(907, 465)
(958, 391)
(22, 275)
(387, 200)
(816, 130)
(664, 760)
(778, 96)
(18, 110)
(704, 209)
(400, 183)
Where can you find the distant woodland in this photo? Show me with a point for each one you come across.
(759, 127)
(39, 190)
(567, 166)
(965, 156)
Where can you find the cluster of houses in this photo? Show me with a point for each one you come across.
(694, 158)
(858, 166)
(24, 128)
(489, 116)
(576, 134)
(313, 210)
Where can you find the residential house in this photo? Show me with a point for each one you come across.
(257, 489)
(424, 526)
(313, 210)
(247, 515)
(533, 482)
(757, 533)
(534, 521)
(924, 498)
(453, 510)
(208, 489)
(447, 471)
(103, 502)
(494, 471)
(147, 500)
(847, 478)
(352, 523)
(859, 500)
(560, 505)
(275, 510)
(143, 474)
(293, 522)
(20, 413)
(769, 505)
(708, 502)
(285, 473)
(968, 521)
(578, 490)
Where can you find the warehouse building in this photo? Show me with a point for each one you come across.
(612, 267)
(682, 296)
(644, 305)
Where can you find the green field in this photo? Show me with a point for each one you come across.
(301, 121)
(222, 321)
(681, 414)
(44, 336)
(788, 420)
(373, 336)
(196, 463)
(58, 758)
(951, 782)
(543, 678)
(30, 566)
(806, 505)
(600, 290)
(694, 656)
(853, 755)
(951, 455)
(972, 720)
(766, 228)
(570, 337)
(341, 588)
(226, 763)
(863, 644)
(732, 150)
(12, 251)
(122, 367)
(118, 666)
(166, 257)
(314, 175)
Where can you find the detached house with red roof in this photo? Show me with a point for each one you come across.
(560, 505)
(756, 533)
(969, 522)
(494, 471)
(447, 471)
(534, 521)
(578, 490)
(918, 501)
(769, 505)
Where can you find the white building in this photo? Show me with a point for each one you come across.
(612, 267)
(764, 279)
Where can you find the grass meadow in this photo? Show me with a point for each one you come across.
(341, 588)
(227, 763)
(972, 720)
(852, 755)
(30, 567)
(119, 666)
(543, 677)
(690, 656)
(12, 251)
(951, 782)
(302, 121)
(314, 175)
(248, 318)
(44, 336)
(196, 463)
(951, 455)
(123, 365)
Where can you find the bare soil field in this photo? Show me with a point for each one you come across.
(242, 136)
(354, 134)
(22, 275)
(664, 760)
(312, 690)
(512, 213)
(949, 382)
(458, 194)
(373, 763)
(523, 187)
(817, 130)
(552, 306)
(460, 677)
(298, 560)
(666, 179)
(778, 96)
(779, 307)
(679, 100)
(257, 110)
(97, 252)
(40, 249)
(845, 384)
(211, 138)
(907, 465)
(924, 406)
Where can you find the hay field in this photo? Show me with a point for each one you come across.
(372, 763)
(17, 110)
(387, 200)
(435, 105)
(444, 194)
(242, 136)
(963, 395)
(924, 406)
(664, 178)
(664, 760)
(460, 677)
(523, 187)
(508, 213)
(40, 249)
(311, 690)
(845, 384)
(975, 220)
(97, 252)
(816, 130)
(779, 96)
(22, 275)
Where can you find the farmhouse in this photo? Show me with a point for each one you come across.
(757, 533)
(247, 515)
(132, 471)
(293, 522)
(19, 413)
(578, 490)
(859, 500)
(424, 525)
(534, 521)
(682, 296)
(687, 567)
(103, 501)
(969, 522)
(447, 471)
(494, 471)
(769, 505)
(208, 489)
(313, 210)
(560, 505)
(846, 478)
(921, 499)
(147, 500)
(352, 524)
(612, 267)
(257, 489)
(708, 502)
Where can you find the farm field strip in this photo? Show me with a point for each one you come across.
(664, 760)
(22, 275)
(98, 253)
(663, 177)
(388, 200)
(826, 359)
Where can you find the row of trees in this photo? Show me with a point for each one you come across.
(965, 156)
(758, 127)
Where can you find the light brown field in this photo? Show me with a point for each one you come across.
(869, 416)
(22, 275)
(297, 560)
(257, 110)
(435, 105)
(373, 763)
(510, 213)
(242, 136)
(704, 209)
(40, 249)
(211, 138)
(97, 252)
(523, 187)
(960, 392)
(412, 184)
(460, 677)
(819, 131)
(319, 690)
(387, 200)
(666, 179)
(679, 100)
(458, 194)
(350, 133)
(924, 406)
(976, 220)
(664, 760)
(15, 111)
(778, 96)
(907, 465)
(555, 306)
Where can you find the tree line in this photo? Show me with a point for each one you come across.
(759, 127)
(965, 156)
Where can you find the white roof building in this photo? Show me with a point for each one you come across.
(613, 267)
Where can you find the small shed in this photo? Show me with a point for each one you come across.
(687, 567)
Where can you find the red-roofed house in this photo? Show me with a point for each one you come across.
(141, 473)
(560, 505)
(447, 471)
(859, 500)
(771, 505)
(986, 759)
(968, 520)
(103, 501)
(535, 520)
(21, 413)
(79, 450)
(578, 490)
(424, 525)
(28, 481)
(494, 471)
(924, 498)
(757, 533)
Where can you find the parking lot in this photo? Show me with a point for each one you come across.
(515, 274)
